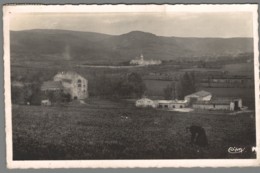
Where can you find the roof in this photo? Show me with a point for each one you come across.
(51, 85)
(67, 80)
(144, 99)
(201, 93)
(69, 75)
(172, 101)
(164, 101)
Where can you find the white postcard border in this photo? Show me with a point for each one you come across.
(19, 9)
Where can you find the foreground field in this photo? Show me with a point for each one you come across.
(120, 131)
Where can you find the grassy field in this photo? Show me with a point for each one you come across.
(99, 129)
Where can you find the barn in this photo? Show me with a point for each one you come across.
(145, 102)
(198, 96)
(73, 83)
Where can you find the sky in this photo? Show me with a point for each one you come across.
(179, 24)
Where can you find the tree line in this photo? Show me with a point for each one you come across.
(130, 85)
(178, 89)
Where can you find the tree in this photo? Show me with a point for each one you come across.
(127, 86)
(132, 85)
(17, 95)
(187, 83)
(35, 97)
(170, 92)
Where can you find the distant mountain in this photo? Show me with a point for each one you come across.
(90, 47)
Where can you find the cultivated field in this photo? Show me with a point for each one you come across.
(104, 129)
(240, 69)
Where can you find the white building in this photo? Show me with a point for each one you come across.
(145, 102)
(172, 104)
(73, 83)
(140, 61)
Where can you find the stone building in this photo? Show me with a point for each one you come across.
(73, 83)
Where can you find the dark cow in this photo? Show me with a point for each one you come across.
(198, 136)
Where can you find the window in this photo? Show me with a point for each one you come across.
(166, 106)
(181, 106)
(79, 83)
(173, 106)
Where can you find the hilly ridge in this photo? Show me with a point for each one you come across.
(90, 47)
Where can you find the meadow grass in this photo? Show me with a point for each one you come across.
(88, 131)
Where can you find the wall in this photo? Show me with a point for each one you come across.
(177, 106)
(202, 106)
(171, 106)
(211, 107)
(222, 107)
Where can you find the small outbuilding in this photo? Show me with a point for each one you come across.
(145, 102)
(46, 102)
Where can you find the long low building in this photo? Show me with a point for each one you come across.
(161, 104)
(231, 104)
(172, 104)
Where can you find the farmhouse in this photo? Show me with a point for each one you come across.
(231, 104)
(73, 83)
(145, 102)
(198, 96)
